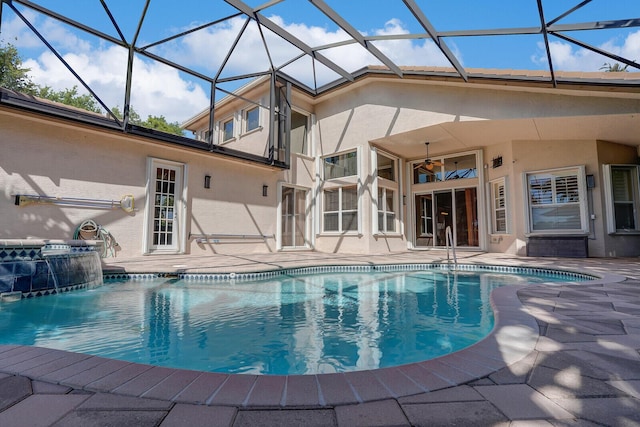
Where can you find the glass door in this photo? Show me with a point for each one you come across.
(424, 222)
(466, 232)
(167, 186)
(294, 217)
(443, 209)
(455, 208)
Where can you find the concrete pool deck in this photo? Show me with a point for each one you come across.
(563, 354)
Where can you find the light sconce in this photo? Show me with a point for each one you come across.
(265, 190)
(207, 181)
(496, 162)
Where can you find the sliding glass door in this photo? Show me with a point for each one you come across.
(437, 210)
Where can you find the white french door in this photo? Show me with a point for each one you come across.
(164, 206)
(293, 218)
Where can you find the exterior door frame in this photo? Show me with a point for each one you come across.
(455, 185)
(180, 217)
(308, 226)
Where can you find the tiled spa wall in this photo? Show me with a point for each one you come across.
(36, 267)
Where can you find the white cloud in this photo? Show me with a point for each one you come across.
(16, 32)
(157, 89)
(408, 52)
(161, 90)
(569, 57)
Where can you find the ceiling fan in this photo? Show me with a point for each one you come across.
(428, 164)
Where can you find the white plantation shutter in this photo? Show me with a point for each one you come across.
(556, 201)
(499, 193)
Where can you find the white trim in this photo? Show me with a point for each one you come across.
(492, 207)
(610, 202)
(221, 123)
(309, 139)
(309, 226)
(582, 191)
(374, 191)
(360, 187)
(377, 184)
(608, 199)
(245, 122)
(180, 206)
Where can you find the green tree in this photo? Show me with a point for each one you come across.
(614, 68)
(69, 97)
(161, 124)
(134, 117)
(13, 75)
(152, 122)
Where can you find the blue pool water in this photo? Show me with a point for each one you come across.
(306, 324)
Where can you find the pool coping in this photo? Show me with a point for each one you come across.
(513, 338)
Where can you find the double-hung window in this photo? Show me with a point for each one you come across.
(557, 201)
(386, 210)
(499, 206)
(387, 185)
(341, 209)
(340, 194)
(622, 197)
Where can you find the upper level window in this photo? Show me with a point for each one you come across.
(227, 130)
(386, 167)
(460, 167)
(437, 169)
(622, 193)
(557, 201)
(252, 119)
(422, 175)
(299, 133)
(341, 165)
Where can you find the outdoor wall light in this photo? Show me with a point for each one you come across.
(265, 190)
(207, 181)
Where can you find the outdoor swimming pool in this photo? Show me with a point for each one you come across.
(287, 324)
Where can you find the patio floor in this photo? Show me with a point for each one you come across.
(559, 355)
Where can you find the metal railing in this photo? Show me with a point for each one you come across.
(203, 238)
(449, 243)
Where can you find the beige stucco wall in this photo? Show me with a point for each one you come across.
(63, 159)
(378, 108)
(613, 244)
(529, 156)
(506, 243)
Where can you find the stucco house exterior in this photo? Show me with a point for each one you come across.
(511, 166)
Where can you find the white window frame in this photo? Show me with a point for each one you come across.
(340, 211)
(384, 185)
(309, 237)
(180, 206)
(245, 119)
(502, 181)
(610, 202)
(343, 153)
(579, 172)
(382, 209)
(339, 183)
(308, 137)
(221, 124)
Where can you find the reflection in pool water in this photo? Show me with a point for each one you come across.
(306, 324)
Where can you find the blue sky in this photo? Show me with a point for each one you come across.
(162, 90)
